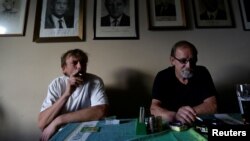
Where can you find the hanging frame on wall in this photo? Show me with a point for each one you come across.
(245, 13)
(166, 14)
(13, 17)
(206, 17)
(67, 29)
(108, 26)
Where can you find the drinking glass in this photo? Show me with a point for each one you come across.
(243, 95)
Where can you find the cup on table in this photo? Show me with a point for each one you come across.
(243, 95)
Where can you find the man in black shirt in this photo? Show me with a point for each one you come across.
(184, 90)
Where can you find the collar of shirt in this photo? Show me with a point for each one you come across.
(55, 20)
(118, 20)
(212, 13)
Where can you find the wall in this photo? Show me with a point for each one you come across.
(126, 66)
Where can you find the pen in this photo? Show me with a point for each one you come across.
(198, 118)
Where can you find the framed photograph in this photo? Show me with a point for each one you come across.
(116, 19)
(166, 14)
(13, 17)
(213, 14)
(245, 13)
(59, 21)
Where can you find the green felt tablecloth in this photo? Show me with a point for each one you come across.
(126, 131)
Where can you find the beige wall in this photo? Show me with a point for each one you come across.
(26, 68)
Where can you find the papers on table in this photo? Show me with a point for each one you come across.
(82, 132)
(77, 135)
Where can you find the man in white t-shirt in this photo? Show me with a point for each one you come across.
(77, 96)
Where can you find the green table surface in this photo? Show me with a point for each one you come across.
(126, 131)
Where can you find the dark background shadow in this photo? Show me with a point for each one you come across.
(130, 93)
(227, 98)
(2, 119)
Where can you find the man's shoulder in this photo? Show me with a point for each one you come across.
(201, 70)
(105, 17)
(93, 77)
(126, 16)
(200, 67)
(166, 71)
(105, 20)
(58, 79)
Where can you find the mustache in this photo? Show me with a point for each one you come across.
(187, 73)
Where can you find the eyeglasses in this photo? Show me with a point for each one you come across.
(185, 61)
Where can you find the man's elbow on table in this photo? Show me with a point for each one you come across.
(101, 111)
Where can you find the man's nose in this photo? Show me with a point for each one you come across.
(188, 64)
(79, 65)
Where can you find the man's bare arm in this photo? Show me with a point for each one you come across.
(157, 110)
(47, 116)
(86, 114)
(209, 106)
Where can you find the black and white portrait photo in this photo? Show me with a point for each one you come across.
(213, 13)
(245, 13)
(59, 14)
(166, 14)
(247, 9)
(12, 16)
(115, 19)
(116, 13)
(165, 8)
(213, 10)
(59, 21)
(9, 7)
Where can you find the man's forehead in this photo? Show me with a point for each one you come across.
(72, 58)
(183, 50)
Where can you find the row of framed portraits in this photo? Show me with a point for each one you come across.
(162, 15)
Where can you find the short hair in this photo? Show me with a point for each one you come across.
(184, 44)
(81, 55)
(53, 3)
(124, 1)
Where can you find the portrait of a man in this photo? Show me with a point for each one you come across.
(165, 8)
(59, 14)
(9, 6)
(212, 11)
(116, 13)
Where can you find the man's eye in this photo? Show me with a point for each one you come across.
(183, 61)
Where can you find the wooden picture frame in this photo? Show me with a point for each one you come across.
(13, 17)
(127, 27)
(245, 13)
(48, 29)
(166, 14)
(221, 18)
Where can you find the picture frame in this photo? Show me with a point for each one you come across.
(13, 17)
(127, 27)
(166, 14)
(245, 13)
(222, 18)
(48, 29)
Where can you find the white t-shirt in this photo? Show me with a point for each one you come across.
(91, 93)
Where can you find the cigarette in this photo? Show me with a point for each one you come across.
(198, 118)
(78, 74)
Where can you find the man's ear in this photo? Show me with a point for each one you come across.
(172, 60)
(63, 69)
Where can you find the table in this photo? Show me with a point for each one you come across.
(124, 131)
